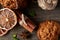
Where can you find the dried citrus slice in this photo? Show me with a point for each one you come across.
(8, 19)
(3, 31)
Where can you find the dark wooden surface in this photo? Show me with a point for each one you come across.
(41, 15)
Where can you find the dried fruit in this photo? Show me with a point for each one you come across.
(8, 20)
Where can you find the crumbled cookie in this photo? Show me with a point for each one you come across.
(48, 30)
(13, 4)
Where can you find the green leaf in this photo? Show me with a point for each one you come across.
(14, 36)
(15, 39)
(32, 13)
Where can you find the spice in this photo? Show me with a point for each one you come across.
(25, 35)
(25, 22)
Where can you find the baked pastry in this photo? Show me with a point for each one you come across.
(13, 4)
(47, 4)
(48, 30)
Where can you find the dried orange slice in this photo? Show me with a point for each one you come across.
(8, 20)
(3, 31)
